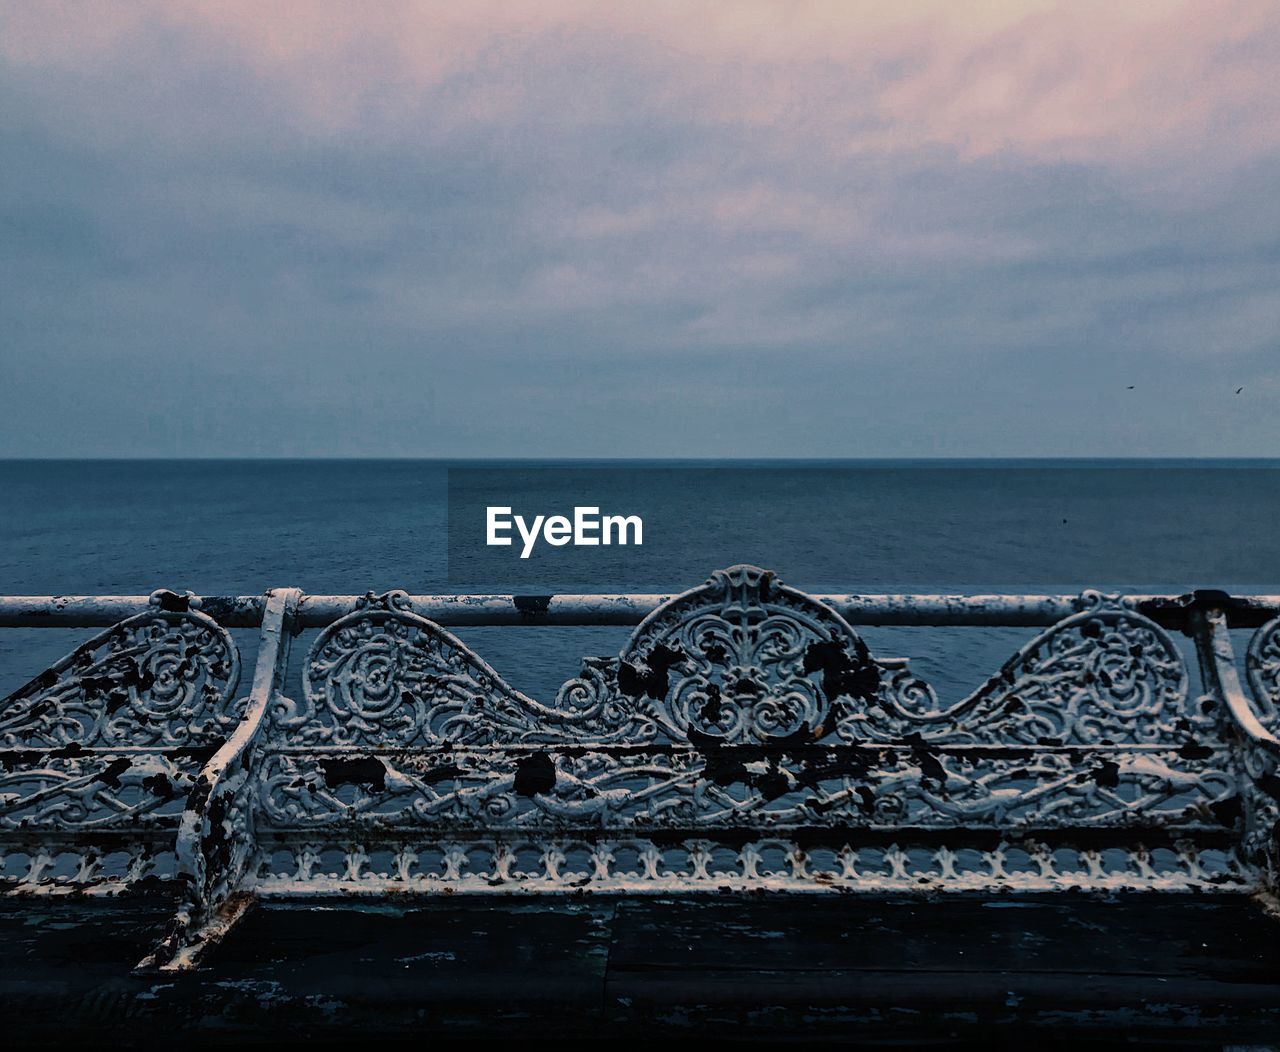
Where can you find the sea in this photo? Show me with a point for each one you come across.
(219, 527)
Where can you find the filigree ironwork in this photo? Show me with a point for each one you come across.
(64, 866)
(94, 790)
(1106, 675)
(383, 676)
(1259, 759)
(162, 678)
(107, 743)
(745, 787)
(1262, 668)
(745, 659)
(742, 659)
(744, 737)
(744, 663)
(639, 866)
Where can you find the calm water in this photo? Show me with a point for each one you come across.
(219, 527)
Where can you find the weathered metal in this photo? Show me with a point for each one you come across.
(216, 846)
(318, 611)
(98, 754)
(744, 739)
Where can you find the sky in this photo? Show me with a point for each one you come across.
(639, 230)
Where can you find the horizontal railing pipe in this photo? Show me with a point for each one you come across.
(101, 611)
(315, 611)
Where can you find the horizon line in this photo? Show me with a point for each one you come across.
(497, 459)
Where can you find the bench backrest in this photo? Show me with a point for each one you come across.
(744, 734)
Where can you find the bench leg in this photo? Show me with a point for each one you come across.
(183, 947)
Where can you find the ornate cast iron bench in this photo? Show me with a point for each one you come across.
(744, 740)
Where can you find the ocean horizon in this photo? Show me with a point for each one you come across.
(240, 526)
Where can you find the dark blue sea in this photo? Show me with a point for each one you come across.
(237, 527)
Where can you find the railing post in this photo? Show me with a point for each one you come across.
(216, 847)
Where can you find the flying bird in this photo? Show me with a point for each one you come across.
(1239, 389)
(1129, 388)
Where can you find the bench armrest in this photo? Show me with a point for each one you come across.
(216, 848)
(1260, 759)
(1219, 665)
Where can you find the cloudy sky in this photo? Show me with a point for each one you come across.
(705, 229)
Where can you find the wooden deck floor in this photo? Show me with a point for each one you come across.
(1057, 970)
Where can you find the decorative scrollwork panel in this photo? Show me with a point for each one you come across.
(1262, 668)
(383, 676)
(1106, 675)
(93, 791)
(743, 659)
(747, 787)
(163, 678)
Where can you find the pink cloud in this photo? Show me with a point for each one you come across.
(1079, 81)
(799, 130)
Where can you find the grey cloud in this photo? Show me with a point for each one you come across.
(546, 253)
